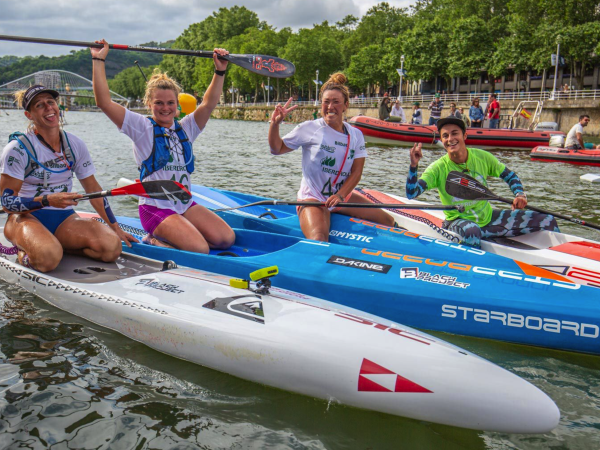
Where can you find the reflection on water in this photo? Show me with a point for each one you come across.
(65, 383)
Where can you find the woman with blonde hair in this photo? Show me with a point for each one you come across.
(333, 158)
(37, 178)
(162, 148)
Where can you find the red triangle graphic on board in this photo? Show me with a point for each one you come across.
(365, 384)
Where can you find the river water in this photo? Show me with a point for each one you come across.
(67, 383)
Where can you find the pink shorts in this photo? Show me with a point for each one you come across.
(151, 216)
(336, 209)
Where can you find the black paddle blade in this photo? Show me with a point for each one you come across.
(461, 185)
(268, 66)
(159, 190)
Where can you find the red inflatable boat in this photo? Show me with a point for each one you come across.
(401, 134)
(582, 157)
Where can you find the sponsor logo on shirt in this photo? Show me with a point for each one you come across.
(327, 148)
(343, 144)
(11, 160)
(334, 172)
(351, 156)
(328, 161)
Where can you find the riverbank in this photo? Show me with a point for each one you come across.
(565, 112)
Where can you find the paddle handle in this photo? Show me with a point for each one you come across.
(134, 48)
(94, 195)
(555, 214)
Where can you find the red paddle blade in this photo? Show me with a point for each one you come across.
(159, 190)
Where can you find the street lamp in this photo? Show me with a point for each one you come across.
(317, 89)
(556, 62)
(401, 73)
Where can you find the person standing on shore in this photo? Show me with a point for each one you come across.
(333, 158)
(417, 115)
(494, 111)
(162, 148)
(436, 109)
(476, 113)
(454, 112)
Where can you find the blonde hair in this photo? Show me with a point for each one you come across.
(19, 97)
(160, 80)
(337, 82)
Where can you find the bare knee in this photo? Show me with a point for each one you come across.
(111, 248)
(106, 249)
(225, 240)
(46, 258)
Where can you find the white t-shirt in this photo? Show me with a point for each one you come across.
(323, 151)
(572, 135)
(398, 111)
(141, 131)
(40, 182)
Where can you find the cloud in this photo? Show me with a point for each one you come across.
(136, 21)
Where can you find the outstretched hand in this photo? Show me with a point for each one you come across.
(416, 154)
(282, 111)
(100, 52)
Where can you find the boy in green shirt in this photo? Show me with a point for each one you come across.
(478, 220)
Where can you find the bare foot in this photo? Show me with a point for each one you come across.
(151, 240)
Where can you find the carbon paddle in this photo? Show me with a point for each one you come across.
(347, 205)
(269, 66)
(158, 190)
(463, 186)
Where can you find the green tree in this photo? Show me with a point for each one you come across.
(314, 49)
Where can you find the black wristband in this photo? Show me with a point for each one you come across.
(98, 59)
(45, 201)
(219, 72)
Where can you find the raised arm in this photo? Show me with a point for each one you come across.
(275, 142)
(414, 186)
(114, 111)
(213, 93)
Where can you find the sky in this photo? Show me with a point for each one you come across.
(133, 22)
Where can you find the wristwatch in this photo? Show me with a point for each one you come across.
(45, 201)
(522, 194)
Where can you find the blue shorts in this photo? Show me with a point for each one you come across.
(52, 218)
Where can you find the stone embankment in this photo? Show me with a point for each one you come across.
(565, 112)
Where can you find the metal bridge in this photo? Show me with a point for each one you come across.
(76, 91)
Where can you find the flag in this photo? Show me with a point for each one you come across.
(526, 114)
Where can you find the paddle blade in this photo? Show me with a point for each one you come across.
(159, 190)
(461, 185)
(269, 66)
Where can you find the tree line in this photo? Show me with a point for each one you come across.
(443, 38)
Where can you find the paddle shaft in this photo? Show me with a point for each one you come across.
(134, 48)
(345, 205)
(543, 211)
(270, 66)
